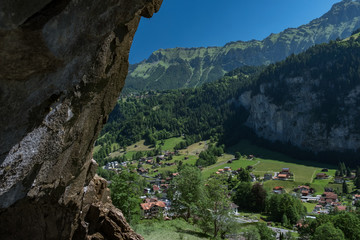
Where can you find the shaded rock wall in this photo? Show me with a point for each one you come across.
(62, 66)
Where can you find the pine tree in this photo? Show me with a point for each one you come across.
(345, 188)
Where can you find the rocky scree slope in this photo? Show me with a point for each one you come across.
(63, 65)
(191, 67)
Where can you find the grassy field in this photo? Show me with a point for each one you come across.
(271, 162)
(194, 149)
(170, 143)
(310, 206)
(223, 162)
(175, 230)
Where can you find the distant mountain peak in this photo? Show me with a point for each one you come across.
(191, 67)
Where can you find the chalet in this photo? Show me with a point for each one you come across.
(142, 170)
(325, 170)
(317, 208)
(340, 208)
(156, 188)
(327, 198)
(304, 190)
(321, 176)
(227, 169)
(357, 197)
(267, 176)
(338, 180)
(152, 207)
(278, 190)
(283, 176)
(220, 170)
(251, 156)
(234, 208)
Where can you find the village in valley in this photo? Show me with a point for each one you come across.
(321, 189)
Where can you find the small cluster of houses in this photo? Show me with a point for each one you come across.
(156, 161)
(151, 206)
(327, 202)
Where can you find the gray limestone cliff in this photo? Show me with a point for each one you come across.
(311, 100)
(63, 64)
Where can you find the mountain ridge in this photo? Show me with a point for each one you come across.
(190, 67)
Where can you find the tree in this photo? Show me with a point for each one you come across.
(242, 195)
(125, 194)
(215, 212)
(327, 231)
(244, 175)
(284, 220)
(237, 155)
(258, 197)
(349, 223)
(265, 232)
(345, 188)
(251, 233)
(186, 190)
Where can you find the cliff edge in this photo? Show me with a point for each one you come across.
(63, 64)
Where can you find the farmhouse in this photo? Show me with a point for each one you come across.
(267, 176)
(321, 176)
(304, 190)
(327, 198)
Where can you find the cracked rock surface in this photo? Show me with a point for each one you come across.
(63, 64)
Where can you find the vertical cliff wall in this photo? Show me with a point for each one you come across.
(62, 66)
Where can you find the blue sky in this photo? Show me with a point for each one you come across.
(203, 23)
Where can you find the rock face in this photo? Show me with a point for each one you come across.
(313, 105)
(63, 64)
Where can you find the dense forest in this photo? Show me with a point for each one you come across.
(212, 111)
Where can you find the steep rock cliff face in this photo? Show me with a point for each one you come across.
(63, 64)
(310, 100)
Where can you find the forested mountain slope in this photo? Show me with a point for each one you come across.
(190, 67)
(308, 103)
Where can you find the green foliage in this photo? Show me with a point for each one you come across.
(186, 190)
(125, 194)
(250, 197)
(265, 232)
(108, 175)
(278, 205)
(244, 175)
(347, 223)
(215, 208)
(327, 231)
(209, 156)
